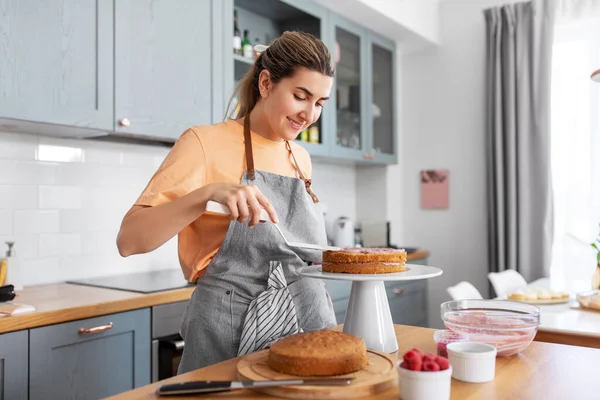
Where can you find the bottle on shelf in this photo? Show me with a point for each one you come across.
(313, 134)
(247, 46)
(304, 136)
(237, 36)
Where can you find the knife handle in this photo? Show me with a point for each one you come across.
(213, 206)
(193, 387)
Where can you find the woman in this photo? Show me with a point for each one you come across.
(249, 293)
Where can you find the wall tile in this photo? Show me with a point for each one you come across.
(17, 146)
(6, 223)
(36, 221)
(60, 197)
(59, 244)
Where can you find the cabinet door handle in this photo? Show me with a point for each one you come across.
(397, 291)
(95, 329)
(124, 122)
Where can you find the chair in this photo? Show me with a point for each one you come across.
(464, 291)
(506, 282)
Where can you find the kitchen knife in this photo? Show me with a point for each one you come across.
(199, 387)
(213, 206)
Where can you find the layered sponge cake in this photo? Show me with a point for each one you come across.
(364, 261)
(318, 353)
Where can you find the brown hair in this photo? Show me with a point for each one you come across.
(282, 58)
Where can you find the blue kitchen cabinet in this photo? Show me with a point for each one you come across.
(90, 358)
(348, 129)
(13, 365)
(56, 64)
(265, 20)
(381, 100)
(163, 66)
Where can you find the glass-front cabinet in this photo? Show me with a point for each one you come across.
(259, 22)
(382, 109)
(358, 122)
(349, 127)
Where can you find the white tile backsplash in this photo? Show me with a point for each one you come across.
(60, 197)
(59, 244)
(5, 222)
(36, 221)
(64, 209)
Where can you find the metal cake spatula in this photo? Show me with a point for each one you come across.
(213, 206)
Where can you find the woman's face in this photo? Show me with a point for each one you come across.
(294, 103)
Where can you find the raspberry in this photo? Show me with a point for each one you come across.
(430, 366)
(429, 357)
(411, 355)
(419, 352)
(412, 360)
(442, 362)
(441, 350)
(414, 365)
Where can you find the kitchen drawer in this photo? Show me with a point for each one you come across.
(166, 318)
(65, 363)
(408, 306)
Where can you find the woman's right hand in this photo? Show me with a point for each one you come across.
(243, 201)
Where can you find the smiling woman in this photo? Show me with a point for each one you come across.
(244, 268)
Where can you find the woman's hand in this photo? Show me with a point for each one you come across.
(244, 201)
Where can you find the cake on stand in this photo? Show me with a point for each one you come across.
(368, 315)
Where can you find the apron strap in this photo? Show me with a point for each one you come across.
(307, 182)
(248, 145)
(250, 160)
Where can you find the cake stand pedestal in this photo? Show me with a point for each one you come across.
(368, 315)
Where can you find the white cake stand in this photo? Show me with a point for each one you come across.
(368, 315)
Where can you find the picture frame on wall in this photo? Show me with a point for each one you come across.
(435, 189)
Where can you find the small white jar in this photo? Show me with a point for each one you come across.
(472, 362)
(424, 385)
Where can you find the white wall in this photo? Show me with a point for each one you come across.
(63, 206)
(442, 113)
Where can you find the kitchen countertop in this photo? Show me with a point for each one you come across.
(568, 324)
(62, 302)
(542, 371)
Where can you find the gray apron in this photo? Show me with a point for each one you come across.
(251, 290)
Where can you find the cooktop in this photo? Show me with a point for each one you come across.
(142, 282)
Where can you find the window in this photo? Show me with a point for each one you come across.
(575, 152)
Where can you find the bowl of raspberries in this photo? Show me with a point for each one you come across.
(424, 376)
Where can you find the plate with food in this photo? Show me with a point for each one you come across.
(539, 296)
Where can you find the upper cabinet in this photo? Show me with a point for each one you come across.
(163, 82)
(152, 68)
(348, 137)
(259, 22)
(381, 98)
(56, 63)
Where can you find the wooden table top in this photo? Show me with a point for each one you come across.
(542, 371)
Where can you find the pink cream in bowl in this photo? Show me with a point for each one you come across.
(508, 326)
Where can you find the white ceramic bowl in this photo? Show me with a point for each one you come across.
(472, 362)
(424, 385)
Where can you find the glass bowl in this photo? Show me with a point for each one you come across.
(507, 325)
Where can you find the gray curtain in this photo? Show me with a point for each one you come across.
(519, 59)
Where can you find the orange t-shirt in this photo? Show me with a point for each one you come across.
(207, 154)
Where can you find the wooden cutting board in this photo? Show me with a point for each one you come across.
(378, 376)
